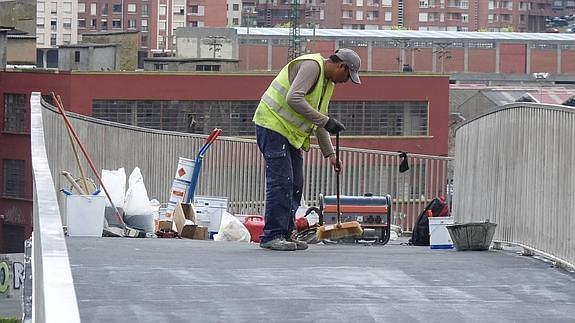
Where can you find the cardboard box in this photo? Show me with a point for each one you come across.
(165, 224)
(183, 213)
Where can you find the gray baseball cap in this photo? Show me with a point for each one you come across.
(353, 62)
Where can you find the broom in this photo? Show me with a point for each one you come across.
(338, 230)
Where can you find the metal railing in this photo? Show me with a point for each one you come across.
(234, 168)
(53, 294)
(514, 166)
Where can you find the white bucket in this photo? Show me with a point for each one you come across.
(178, 191)
(439, 237)
(185, 169)
(85, 215)
(210, 210)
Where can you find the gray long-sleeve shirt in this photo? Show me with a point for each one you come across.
(303, 77)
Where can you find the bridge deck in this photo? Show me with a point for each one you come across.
(163, 280)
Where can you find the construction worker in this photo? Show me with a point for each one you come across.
(293, 107)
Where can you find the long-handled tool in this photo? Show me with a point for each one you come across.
(198, 164)
(82, 173)
(75, 135)
(338, 230)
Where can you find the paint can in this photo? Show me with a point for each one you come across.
(185, 169)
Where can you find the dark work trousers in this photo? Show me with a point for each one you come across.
(284, 183)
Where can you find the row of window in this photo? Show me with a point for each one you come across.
(361, 118)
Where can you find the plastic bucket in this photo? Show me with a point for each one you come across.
(439, 237)
(85, 215)
(178, 191)
(185, 169)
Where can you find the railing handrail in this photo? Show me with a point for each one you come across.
(514, 166)
(53, 294)
(514, 105)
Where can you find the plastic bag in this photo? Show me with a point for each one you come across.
(115, 182)
(231, 229)
(137, 201)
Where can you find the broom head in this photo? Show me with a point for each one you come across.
(339, 231)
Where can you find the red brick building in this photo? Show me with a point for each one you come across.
(387, 112)
(446, 15)
(420, 51)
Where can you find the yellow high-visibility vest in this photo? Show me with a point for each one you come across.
(274, 112)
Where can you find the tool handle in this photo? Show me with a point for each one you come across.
(338, 171)
(87, 156)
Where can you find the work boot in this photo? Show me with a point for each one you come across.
(300, 245)
(279, 244)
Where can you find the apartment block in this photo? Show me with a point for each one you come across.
(55, 25)
(443, 15)
(156, 20)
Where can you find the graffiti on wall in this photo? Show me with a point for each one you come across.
(11, 274)
(14, 215)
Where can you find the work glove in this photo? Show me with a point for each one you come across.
(333, 126)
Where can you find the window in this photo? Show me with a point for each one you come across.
(116, 24)
(131, 8)
(53, 8)
(116, 8)
(464, 17)
(162, 10)
(93, 23)
(132, 24)
(144, 10)
(81, 7)
(386, 3)
(15, 113)
(387, 16)
(40, 25)
(105, 9)
(144, 40)
(67, 23)
(66, 38)
(77, 56)
(359, 3)
(236, 7)
(81, 23)
(423, 4)
(347, 14)
(207, 68)
(144, 23)
(53, 40)
(423, 17)
(40, 7)
(235, 21)
(13, 177)
(162, 25)
(53, 25)
(160, 67)
(359, 15)
(194, 9)
(93, 9)
(104, 24)
(67, 7)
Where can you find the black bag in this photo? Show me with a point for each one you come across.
(420, 232)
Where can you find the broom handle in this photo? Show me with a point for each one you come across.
(73, 131)
(338, 170)
(86, 190)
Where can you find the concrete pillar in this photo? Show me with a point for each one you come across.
(466, 58)
(558, 58)
(434, 58)
(369, 55)
(270, 54)
(528, 59)
(497, 57)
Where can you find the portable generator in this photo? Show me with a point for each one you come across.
(372, 212)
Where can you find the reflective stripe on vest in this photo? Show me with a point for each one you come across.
(299, 123)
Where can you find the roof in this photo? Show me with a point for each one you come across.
(548, 95)
(189, 60)
(411, 34)
(87, 45)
